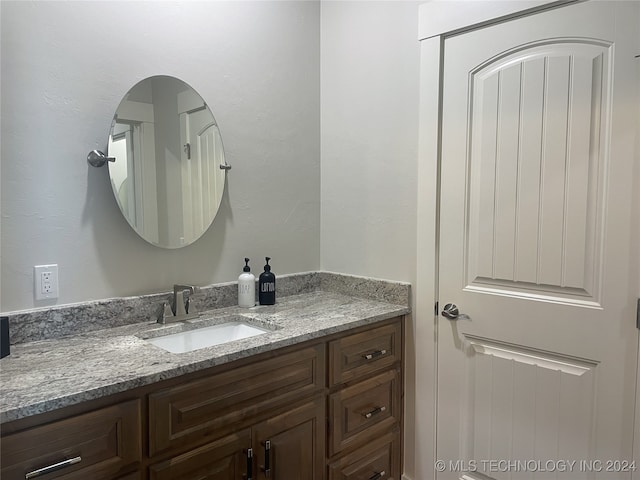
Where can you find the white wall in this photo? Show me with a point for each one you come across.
(285, 80)
(370, 94)
(65, 67)
(370, 69)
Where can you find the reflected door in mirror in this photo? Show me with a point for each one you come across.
(168, 149)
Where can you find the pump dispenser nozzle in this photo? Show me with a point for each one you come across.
(246, 267)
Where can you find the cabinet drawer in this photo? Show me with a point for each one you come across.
(364, 411)
(357, 355)
(378, 460)
(96, 445)
(191, 414)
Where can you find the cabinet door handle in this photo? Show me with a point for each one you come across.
(250, 464)
(376, 354)
(267, 459)
(375, 411)
(378, 476)
(52, 468)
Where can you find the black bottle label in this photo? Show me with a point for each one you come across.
(267, 289)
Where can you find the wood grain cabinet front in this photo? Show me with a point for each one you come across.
(291, 445)
(354, 356)
(364, 411)
(286, 446)
(226, 458)
(378, 460)
(365, 404)
(195, 412)
(102, 444)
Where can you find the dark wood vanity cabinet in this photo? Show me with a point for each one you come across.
(377, 460)
(296, 440)
(102, 443)
(286, 446)
(224, 458)
(279, 403)
(365, 404)
(191, 412)
(327, 409)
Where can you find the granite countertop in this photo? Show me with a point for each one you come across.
(45, 375)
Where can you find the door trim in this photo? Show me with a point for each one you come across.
(437, 21)
(636, 446)
(443, 18)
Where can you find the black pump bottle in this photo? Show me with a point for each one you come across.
(267, 286)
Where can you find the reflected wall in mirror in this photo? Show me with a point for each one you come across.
(167, 175)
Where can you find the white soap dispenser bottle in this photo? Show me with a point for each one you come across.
(246, 287)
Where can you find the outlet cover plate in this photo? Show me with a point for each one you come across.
(45, 282)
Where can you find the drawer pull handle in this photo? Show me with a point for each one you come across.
(267, 459)
(375, 411)
(378, 475)
(52, 468)
(376, 354)
(250, 464)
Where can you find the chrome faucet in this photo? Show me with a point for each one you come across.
(179, 309)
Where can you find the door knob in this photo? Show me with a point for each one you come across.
(450, 311)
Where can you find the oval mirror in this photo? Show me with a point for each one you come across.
(168, 166)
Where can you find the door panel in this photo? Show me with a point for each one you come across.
(527, 405)
(536, 128)
(203, 149)
(535, 241)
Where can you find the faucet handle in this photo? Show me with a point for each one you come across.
(196, 301)
(167, 313)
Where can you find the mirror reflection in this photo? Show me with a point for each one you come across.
(168, 151)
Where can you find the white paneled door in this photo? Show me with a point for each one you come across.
(537, 374)
(202, 149)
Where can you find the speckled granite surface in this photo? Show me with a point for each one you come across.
(64, 320)
(398, 293)
(51, 373)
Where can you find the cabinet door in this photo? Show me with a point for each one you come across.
(291, 445)
(224, 459)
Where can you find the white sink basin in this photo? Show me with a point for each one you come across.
(198, 338)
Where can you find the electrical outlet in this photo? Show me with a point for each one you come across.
(46, 282)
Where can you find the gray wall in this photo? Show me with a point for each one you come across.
(65, 67)
(290, 84)
(370, 67)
